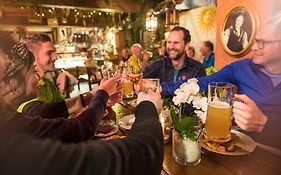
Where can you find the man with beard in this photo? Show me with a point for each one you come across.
(177, 66)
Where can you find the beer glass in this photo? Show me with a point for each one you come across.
(218, 122)
(150, 85)
(128, 88)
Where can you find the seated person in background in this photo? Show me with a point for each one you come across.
(259, 85)
(90, 62)
(207, 51)
(162, 51)
(190, 52)
(139, 60)
(141, 152)
(125, 56)
(177, 66)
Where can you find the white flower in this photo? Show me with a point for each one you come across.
(204, 102)
(202, 115)
(188, 92)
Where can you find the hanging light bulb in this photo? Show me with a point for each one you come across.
(151, 21)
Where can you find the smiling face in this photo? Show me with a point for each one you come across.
(176, 46)
(45, 57)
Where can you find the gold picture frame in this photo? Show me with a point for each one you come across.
(238, 31)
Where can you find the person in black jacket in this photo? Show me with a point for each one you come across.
(177, 66)
(141, 152)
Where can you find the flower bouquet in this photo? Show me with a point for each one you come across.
(189, 109)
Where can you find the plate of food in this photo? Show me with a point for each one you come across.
(239, 144)
(127, 121)
(106, 128)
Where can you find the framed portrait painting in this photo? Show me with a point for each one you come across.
(238, 31)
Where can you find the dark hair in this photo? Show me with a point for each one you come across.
(209, 44)
(238, 13)
(186, 33)
(192, 49)
(6, 42)
(19, 58)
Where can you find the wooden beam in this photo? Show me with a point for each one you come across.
(106, 5)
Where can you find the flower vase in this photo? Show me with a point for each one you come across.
(185, 151)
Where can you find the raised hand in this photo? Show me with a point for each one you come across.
(110, 85)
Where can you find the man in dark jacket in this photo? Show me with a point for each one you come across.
(177, 66)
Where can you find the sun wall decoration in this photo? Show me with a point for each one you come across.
(206, 21)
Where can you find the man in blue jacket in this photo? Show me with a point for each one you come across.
(259, 85)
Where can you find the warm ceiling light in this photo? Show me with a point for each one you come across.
(151, 21)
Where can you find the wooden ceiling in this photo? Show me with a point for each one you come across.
(107, 5)
(70, 12)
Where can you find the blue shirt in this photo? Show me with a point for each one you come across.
(210, 61)
(253, 82)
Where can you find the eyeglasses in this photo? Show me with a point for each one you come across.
(261, 42)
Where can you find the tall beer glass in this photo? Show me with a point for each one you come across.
(218, 122)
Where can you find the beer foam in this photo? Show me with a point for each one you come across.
(219, 104)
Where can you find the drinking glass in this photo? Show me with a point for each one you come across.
(128, 88)
(218, 122)
(150, 85)
(117, 96)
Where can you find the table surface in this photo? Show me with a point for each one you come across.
(259, 162)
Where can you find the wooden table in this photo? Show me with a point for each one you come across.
(259, 162)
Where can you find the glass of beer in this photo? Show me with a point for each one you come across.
(218, 122)
(150, 85)
(128, 88)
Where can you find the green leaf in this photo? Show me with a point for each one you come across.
(187, 123)
(167, 103)
(174, 118)
(185, 126)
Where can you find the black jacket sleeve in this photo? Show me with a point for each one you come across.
(76, 129)
(139, 153)
(46, 110)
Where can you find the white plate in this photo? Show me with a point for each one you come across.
(245, 145)
(113, 131)
(127, 121)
